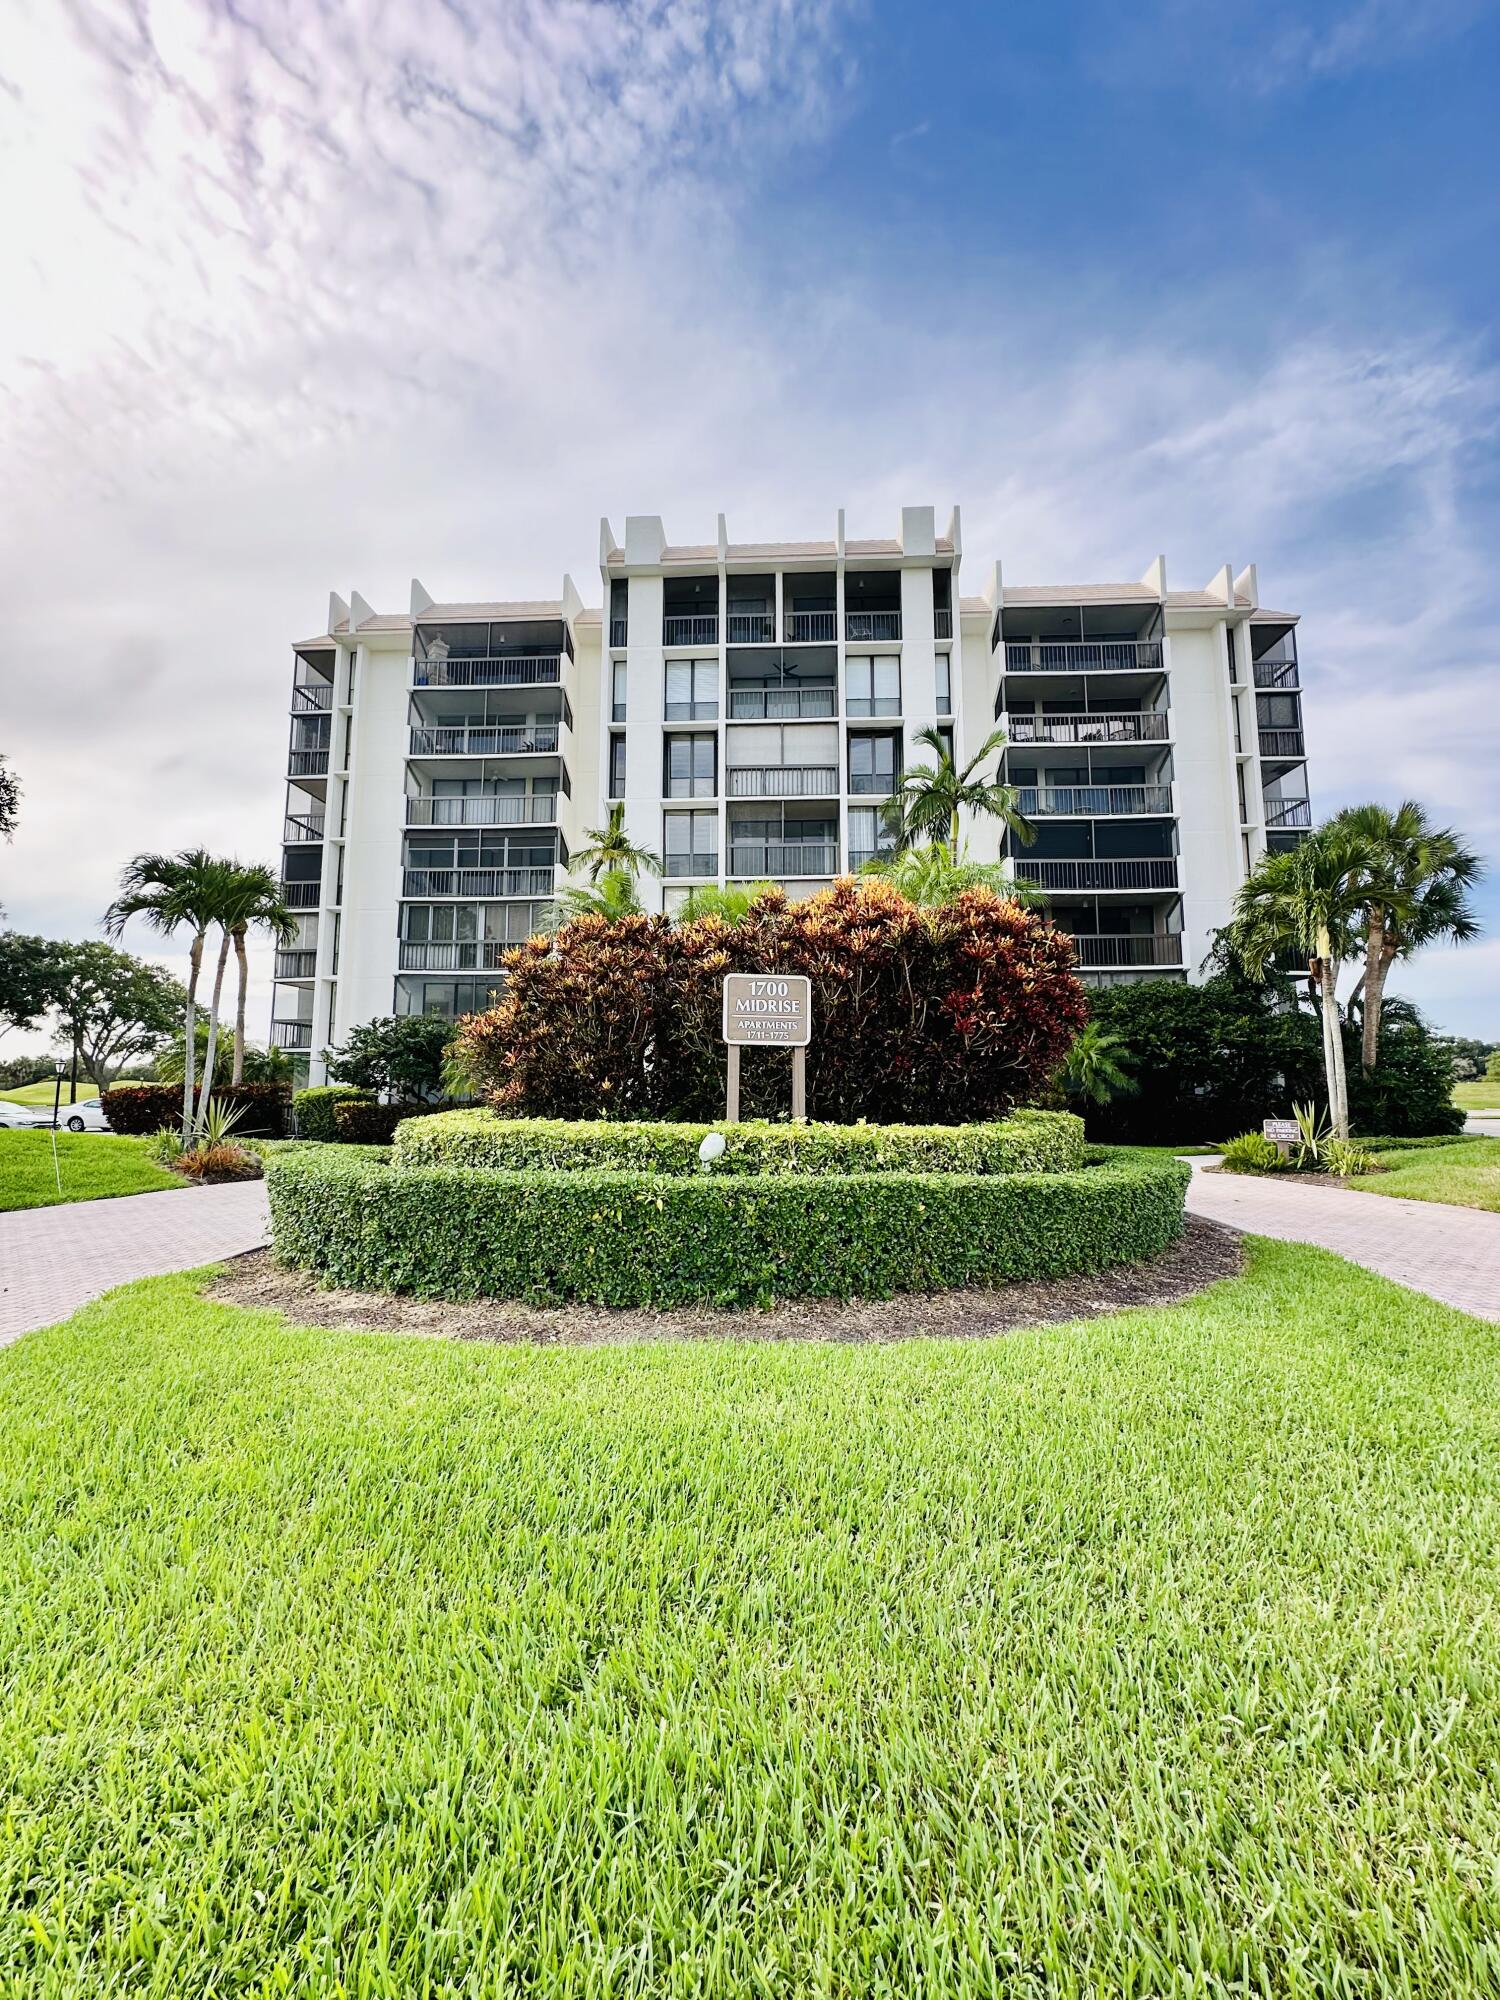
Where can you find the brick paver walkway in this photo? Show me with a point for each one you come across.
(53, 1260)
(1452, 1254)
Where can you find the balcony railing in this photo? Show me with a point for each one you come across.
(1149, 948)
(811, 628)
(307, 763)
(299, 829)
(698, 629)
(872, 625)
(311, 697)
(295, 964)
(1121, 726)
(942, 624)
(483, 883)
(1155, 872)
(617, 631)
(783, 781)
(291, 1034)
(1288, 812)
(1282, 743)
(691, 711)
(781, 704)
(752, 628)
(301, 895)
(878, 784)
(471, 742)
(1276, 674)
(499, 670)
(469, 955)
(1082, 656)
(691, 864)
(861, 857)
(530, 809)
(784, 859)
(1074, 799)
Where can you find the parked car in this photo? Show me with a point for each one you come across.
(85, 1116)
(21, 1117)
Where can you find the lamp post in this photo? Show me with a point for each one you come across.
(59, 1066)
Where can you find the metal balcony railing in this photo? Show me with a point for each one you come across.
(783, 781)
(291, 1034)
(483, 883)
(499, 670)
(617, 631)
(691, 711)
(811, 628)
(1282, 743)
(1119, 726)
(295, 964)
(301, 895)
(311, 697)
(872, 625)
(781, 704)
(1149, 948)
(298, 829)
(697, 629)
(484, 742)
(691, 864)
(751, 628)
(1082, 656)
(879, 784)
(861, 857)
(1288, 812)
(1154, 872)
(307, 763)
(530, 809)
(785, 859)
(1276, 674)
(942, 624)
(469, 955)
(1076, 799)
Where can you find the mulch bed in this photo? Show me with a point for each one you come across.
(1205, 1253)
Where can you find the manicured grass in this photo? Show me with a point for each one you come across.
(1466, 1173)
(93, 1164)
(1477, 1096)
(1154, 1654)
(42, 1093)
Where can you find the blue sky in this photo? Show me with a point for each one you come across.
(304, 298)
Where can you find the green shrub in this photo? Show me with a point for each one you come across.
(633, 1239)
(1348, 1158)
(1252, 1153)
(140, 1108)
(1026, 1142)
(313, 1109)
(358, 1122)
(1410, 1089)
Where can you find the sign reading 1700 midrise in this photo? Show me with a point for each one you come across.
(767, 1010)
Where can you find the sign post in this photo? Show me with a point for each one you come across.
(767, 1011)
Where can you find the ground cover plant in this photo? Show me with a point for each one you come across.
(93, 1166)
(1466, 1173)
(1150, 1654)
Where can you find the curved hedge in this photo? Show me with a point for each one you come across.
(633, 1239)
(1027, 1142)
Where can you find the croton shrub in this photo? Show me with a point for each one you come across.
(920, 1016)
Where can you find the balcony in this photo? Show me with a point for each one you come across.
(299, 829)
(504, 670)
(301, 895)
(872, 784)
(1074, 800)
(782, 704)
(1121, 726)
(291, 1034)
(295, 964)
(469, 955)
(861, 857)
(1282, 743)
(872, 627)
(698, 628)
(462, 741)
(785, 860)
(783, 781)
(531, 809)
(1152, 948)
(812, 628)
(312, 697)
(751, 628)
(1288, 812)
(1156, 872)
(1280, 674)
(307, 763)
(617, 631)
(691, 864)
(942, 624)
(483, 883)
(1082, 656)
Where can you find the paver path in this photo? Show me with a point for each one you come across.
(1452, 1254)
(53, 1260)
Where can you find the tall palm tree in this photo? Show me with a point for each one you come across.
(169, 891)
(613, 898)
(1310, 900)
(256, 902)
(929, 797)
(611, 851)
(932, 876)
(1415, 878)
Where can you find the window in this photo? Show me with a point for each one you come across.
(617, 692)
(617, 767)
(944, 684)
(692, 690)
(869, 836)
(872, 763)
(692, 843)
(692, 764)
(874, 685)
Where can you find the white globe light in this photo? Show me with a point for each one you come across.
(712, 1147)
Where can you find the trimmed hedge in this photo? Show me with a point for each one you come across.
(137, 1108)
(314, 1108)
(632, 1239)
(359, 1121)
(1026, 1142)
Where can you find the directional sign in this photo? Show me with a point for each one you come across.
(767, 1010)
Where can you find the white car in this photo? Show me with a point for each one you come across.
(21, 1117)
(85, 1116)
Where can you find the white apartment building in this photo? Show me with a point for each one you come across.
(752, 704)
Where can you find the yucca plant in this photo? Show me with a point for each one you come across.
(1313, 1134)
(217, 1119)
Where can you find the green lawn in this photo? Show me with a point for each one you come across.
(1477, 1096)
(1154, 1654)
(42, 1093)
(1466, 1173)
(92, 1163)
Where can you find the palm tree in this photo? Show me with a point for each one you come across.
(932, 876)
(611, 851)
(1097, 1067)
(1309, 900)
(929, 797)
(255, 902)
(1415, 878)
(613, 898)
(170, 890)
